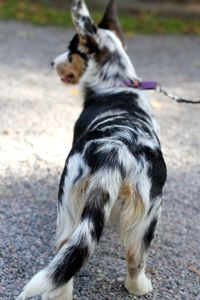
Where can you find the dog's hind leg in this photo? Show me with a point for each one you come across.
(137, 282)
(70, 203)
(139, 215)
(138, 223)
(136, 253)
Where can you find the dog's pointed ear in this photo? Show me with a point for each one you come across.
(111, 22)
(82, 20)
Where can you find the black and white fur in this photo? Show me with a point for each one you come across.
(115, 168)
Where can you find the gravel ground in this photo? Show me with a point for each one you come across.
(37, 116)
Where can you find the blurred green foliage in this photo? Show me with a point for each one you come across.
(49, 12)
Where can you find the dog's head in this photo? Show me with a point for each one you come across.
(72, 64)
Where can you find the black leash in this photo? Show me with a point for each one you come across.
(160, 90)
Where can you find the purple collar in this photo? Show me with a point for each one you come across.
(141, 85)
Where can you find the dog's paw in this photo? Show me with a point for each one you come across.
(139, 286)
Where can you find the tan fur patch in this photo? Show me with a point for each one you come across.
(75, 68)
(126, 191)
(133, 264)
(132, 208)
(131, 214)
(61, 244)
(77, 199)
(81, 186)
(130, 262)
(82, 42)
(102, 55)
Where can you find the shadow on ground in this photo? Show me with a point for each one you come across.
(28, 218)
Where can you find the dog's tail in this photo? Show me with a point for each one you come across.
(77, 248)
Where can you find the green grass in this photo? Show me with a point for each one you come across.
(44, 14)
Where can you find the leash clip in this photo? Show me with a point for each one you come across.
(158, 88)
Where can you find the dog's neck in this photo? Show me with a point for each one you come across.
(110, 68)
(109, 76)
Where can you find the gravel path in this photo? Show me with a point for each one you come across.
(37, 116)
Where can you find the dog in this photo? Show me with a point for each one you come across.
(115, 167)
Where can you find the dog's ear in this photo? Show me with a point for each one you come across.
(82, 20)
(111, 22)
